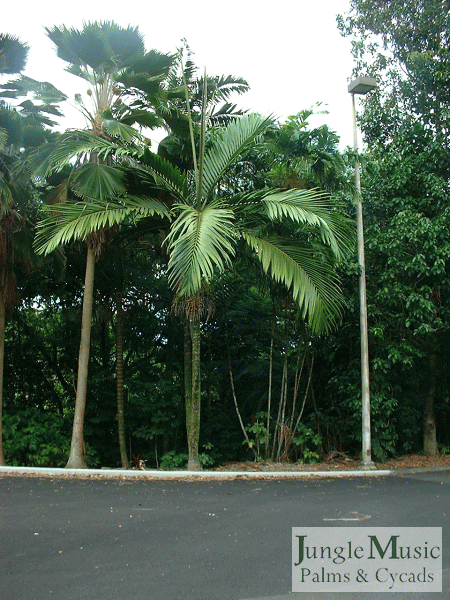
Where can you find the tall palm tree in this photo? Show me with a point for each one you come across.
(211, 226)
(98, 54)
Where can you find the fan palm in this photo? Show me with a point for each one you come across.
(98, 54)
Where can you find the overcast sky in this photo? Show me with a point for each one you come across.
(289, 51)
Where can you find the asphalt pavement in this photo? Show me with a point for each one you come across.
(110, 538)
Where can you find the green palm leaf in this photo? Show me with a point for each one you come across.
(13, 54)
(312, 282)
(199, 242)
(166, 175)
(76, 220)
(227, 146)
(102, 46)
(71, 146)
(120, 130)
(96, 180)
(312, 207)
(6, 198)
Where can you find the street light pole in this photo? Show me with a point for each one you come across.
(362, 85)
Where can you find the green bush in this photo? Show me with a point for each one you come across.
(35, 438)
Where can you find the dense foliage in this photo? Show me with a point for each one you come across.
(278, 381)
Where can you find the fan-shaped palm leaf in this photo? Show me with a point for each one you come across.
(13, 54)
(96, 180)
(102, 46)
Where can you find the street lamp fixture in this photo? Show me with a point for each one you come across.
(362, 86)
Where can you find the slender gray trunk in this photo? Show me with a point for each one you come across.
(193, 398)
(76, 458)
(119, 382)
(269, 393)
(2, 362)
(430, 445)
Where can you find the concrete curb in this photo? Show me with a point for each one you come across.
(210, 475)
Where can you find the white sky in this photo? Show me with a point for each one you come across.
(289, 51)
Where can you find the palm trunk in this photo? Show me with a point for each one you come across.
(76, 458)
(2, 361)
(430, 445)
(269, 399)
(192, 373)
(119, 383)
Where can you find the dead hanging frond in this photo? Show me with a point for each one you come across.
(194, 308)
(95, 241)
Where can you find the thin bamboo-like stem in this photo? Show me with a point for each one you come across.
(2, 362)
(269, 399)
(191, 127)
(282, 432)
(283, 401)
(233, 391)
(306, 393)
(298, 376)
(277, 428)
(201, 156)
(119, 381)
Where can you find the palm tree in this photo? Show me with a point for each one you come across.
(210, 228)
(98, 54)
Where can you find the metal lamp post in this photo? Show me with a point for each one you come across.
(362, 85)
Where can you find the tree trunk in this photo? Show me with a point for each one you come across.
(76, 458)
(192, 366)
(430, 445)
(119, 382)
(2, 361)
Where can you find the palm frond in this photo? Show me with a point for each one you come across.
(76, 220)
(312, 207)
(200, 241)
(54, 157)
(13, 54)
(144, 118)
(226, 85)
(96, 180)
(116, 129)
(6, 197)
(312, 281)
(153, 65)
(166, 175)
(3, 137)
(103, 46)
(228, 145)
